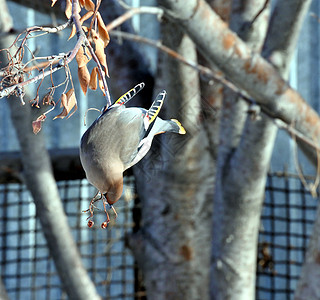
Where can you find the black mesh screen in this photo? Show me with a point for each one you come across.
(28, 271)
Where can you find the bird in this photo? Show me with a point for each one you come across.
(118, 139)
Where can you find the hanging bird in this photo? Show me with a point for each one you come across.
(118, 139)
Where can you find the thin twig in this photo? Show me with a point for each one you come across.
(48, 29)
(134, 11)
(9, 90)
(282, 125)
(102, 76)
(82, 39)
(297, 166)
(312, 187)
(204, 71)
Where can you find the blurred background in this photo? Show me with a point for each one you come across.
(26, 266)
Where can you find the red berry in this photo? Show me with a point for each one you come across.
(104, 225)
(90, 223)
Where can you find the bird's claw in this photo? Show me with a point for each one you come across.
(106, 207)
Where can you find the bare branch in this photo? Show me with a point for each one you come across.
(134, 11)
(54, 29)
(247, 69)
(16, 83)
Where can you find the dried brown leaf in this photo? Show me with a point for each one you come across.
(93, 83)
(89, 5)
(73, 32)
(84, 78)
(82, 20)
(86, 16)
(36, 125)
(94, 34)
(103, 33)
(63, 104)
(83, 57)
(64, 100)
(68, 102)
(81, 3)
(100, 54)
(68, 10)
(72, 102)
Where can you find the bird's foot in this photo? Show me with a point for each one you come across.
(104, 224)
(96, 198)
(115, 212)
(107, 207)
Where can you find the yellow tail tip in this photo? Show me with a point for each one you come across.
(181, 128)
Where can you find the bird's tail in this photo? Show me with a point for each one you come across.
(154, 110)
(178, 128)
(130, 94)
(162, 126)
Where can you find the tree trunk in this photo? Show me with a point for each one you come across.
(308, 286)
(173, 246)
(243, 159)
(237, 205)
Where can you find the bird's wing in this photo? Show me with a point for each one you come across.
(124, 98)
(154, 110)
(130, 94)
(130, 125)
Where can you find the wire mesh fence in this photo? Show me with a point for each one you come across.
(28, 271)
(287, 219)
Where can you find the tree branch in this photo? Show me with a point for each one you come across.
(134, 11)
(62, 63)
(238, 196)
(248, 70)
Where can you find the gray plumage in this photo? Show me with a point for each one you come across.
(118, 139)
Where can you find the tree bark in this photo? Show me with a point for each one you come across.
(173, 246)
(243, 160)
(39, 179)
(247, 69)
(280, 45)
(249, 162)
(308, 285)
